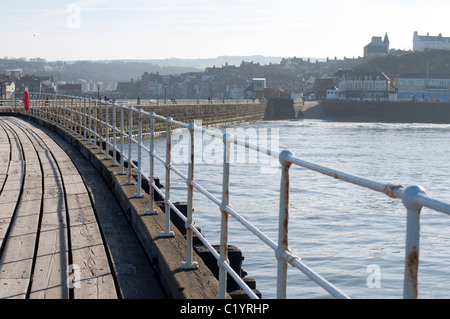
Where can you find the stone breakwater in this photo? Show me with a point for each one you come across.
(211, 114)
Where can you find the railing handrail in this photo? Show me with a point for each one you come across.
(72, 116)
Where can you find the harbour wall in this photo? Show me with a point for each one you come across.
(282, 109)
(393, 112)
(221, 114)
(211, 114)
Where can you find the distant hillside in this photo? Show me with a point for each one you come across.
(114, 70)
(123, 70)
(411, 62)
(90, 70)
(202, 64)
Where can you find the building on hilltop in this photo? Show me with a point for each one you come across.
(423, 42)
(378, 46)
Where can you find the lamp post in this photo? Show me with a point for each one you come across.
(1, 92)
(165, 92)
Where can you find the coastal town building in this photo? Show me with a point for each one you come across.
(7, 89)
(70, 89)
(360, 85)
(423, 42)
(377, 47)
(423, 87)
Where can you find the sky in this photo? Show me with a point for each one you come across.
(191, 29)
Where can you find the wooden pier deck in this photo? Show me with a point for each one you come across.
(62, 233)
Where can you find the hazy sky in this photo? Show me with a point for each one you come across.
(155, 29)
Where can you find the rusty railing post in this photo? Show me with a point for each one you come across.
(224, 216)
(410, 283)
(283, 222)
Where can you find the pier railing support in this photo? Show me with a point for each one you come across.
(151, 209)
(410, 283)
(114, 128)
(139, 159)
(167, 232)
(130, 144)
(224, 217)
(283, 222)
(122, 137)
(189, 263)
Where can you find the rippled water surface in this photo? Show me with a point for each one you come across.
(339, 230)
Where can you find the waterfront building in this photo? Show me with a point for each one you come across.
(423, 87)
(377, 47)
(334, 94)
(7, 89)
(69, 89)
(423, 42)
(365, 86)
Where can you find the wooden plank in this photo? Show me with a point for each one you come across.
(13, 184)
(135, 276)
(5, 151)
(50, 276)
(88, 251)
(17, 258)
(52, 259)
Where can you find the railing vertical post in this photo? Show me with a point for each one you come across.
(106, 131)
(410, 283)
(167, 232)
(224, 216)
(54, 104)
(41, 106)
(95, 125)
(114, 127)
(189, 264)
(283, 222)
(72, 121)
(55, 109)
(80, 117)
(89, 122)
(85, 120)
(122, 157)
(64, 113)
(100, 124)
(67, 113)
(151, 190)
(139, 177)
(130, 133)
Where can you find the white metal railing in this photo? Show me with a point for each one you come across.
(11, 103)
(97, 122)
